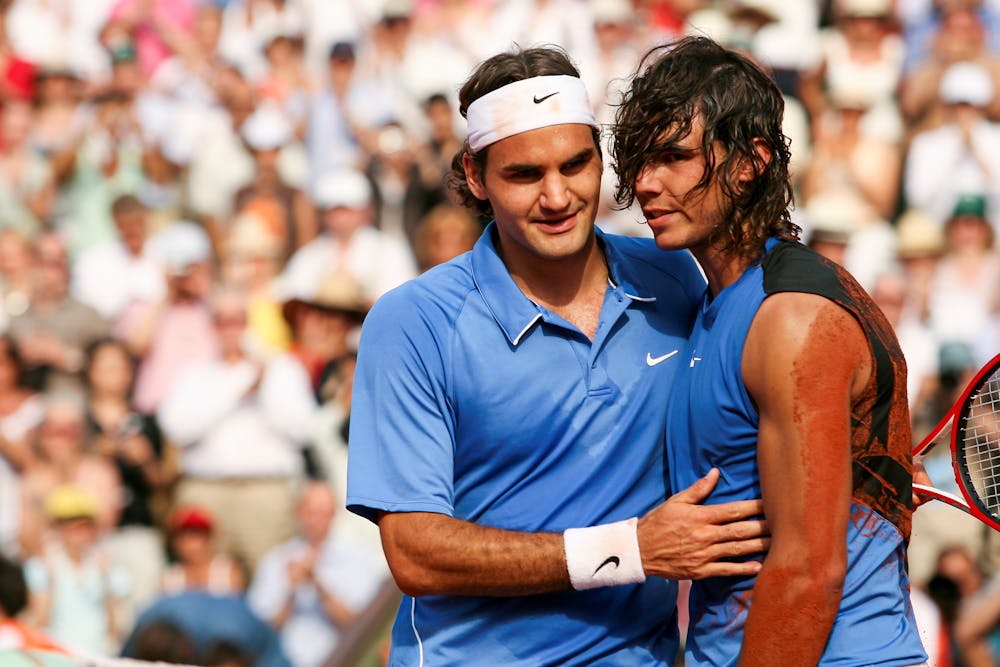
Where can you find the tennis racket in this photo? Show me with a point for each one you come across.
(973, 425)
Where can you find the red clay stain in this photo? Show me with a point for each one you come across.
(883, 465)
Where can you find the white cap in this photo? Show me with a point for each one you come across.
(780, 47)
(266, 129)
(837, 215)
(864, 7)
(348, 188)
(966, 82)
(611, 11)
(181, 244)
(709, 22)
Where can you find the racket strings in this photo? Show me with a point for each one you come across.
(980, 441)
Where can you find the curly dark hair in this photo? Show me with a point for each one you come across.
(491, 74)
(738, 103)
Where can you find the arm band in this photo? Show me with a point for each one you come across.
(605, 555)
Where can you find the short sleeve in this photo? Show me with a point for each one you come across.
(400, 454)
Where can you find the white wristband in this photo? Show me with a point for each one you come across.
(606, 555)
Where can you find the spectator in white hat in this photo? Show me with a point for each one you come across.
(963, 155)
(349, 243)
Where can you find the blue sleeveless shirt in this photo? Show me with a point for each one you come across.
(712, 422)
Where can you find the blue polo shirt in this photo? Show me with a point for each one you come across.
(474, 402)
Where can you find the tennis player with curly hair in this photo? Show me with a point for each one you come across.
(792, 382)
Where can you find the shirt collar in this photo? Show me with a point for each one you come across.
(623, 271)
(516, 313)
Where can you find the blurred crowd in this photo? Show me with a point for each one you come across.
(200, 200)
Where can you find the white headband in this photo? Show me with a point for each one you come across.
(526, 105)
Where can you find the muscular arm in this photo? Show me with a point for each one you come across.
(433, 554)
(802, 386)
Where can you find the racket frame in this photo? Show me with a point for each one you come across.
(968, 503)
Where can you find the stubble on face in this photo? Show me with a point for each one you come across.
(683, 196)
(543, 186)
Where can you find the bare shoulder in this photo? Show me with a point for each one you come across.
(794, 330)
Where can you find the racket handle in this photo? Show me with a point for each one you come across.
(945, 497)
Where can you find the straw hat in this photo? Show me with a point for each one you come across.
(337, 292)
(835, 216)
(68, 502)
(918, 235)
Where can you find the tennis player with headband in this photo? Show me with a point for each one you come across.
(793, 380)
(508, 410)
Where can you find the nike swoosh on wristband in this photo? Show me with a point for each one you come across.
(613, 560)
(652, 361)
(539, 100)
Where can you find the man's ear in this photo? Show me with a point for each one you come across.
(473, 177)
(750, 169)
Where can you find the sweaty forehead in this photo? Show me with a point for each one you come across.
(683, 135)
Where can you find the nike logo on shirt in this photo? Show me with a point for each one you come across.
(538, 100)
(652, 361)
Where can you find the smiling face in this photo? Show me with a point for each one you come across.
(543, 186)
